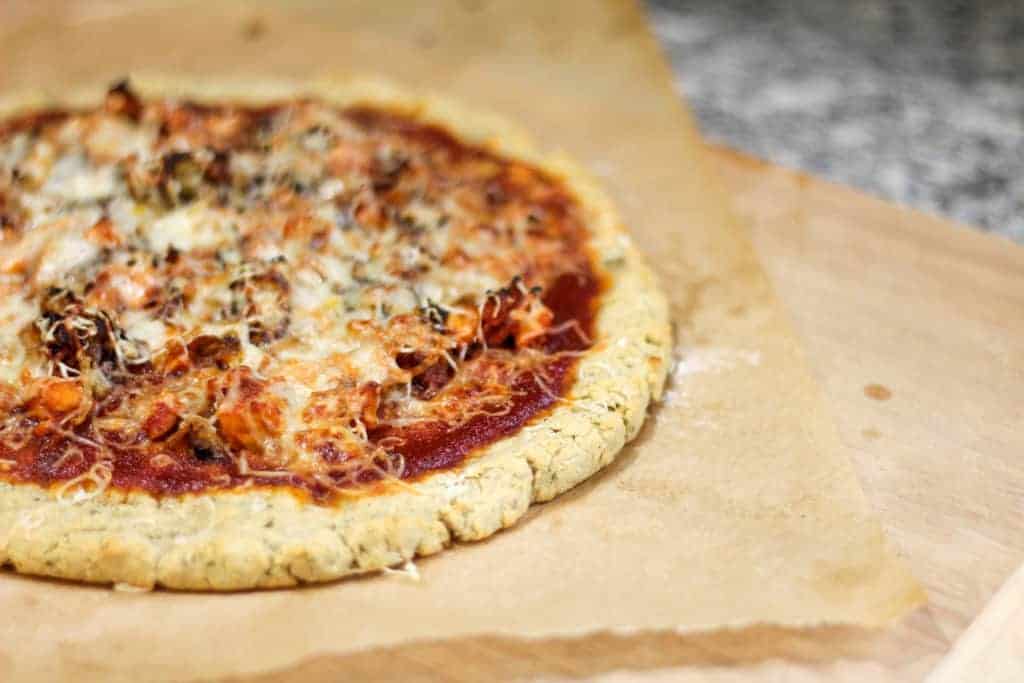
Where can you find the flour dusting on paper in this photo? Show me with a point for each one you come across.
(696, 360)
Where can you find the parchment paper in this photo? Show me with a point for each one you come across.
(733, 507)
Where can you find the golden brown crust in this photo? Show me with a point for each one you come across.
(241, 540)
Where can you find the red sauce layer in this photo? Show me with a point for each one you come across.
(426, 448)
(435, 446)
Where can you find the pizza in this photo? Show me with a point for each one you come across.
(257, 336)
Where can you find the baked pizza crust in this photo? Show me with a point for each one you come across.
(271, 538)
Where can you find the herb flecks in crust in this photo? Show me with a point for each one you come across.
(197, 296)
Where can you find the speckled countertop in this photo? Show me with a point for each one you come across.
(920, 102)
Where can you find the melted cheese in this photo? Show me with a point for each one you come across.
(141, 326)
(290, 256)
(190, 227)
(72, 178)
(63, 253)
(15, 314)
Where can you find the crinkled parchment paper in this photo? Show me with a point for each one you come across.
(733, 507)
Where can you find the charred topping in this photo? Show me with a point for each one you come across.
(386, 171)
(171, 303)
(218, 171)
(435, 314)
(203, 440)
(79, 339)
(122, 101)
(264, 304)
(180, 178)
(496, 321)
(207, 349)
(6, 213)
(428, 383)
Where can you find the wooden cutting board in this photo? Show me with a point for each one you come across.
(916, 329)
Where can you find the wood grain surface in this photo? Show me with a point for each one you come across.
(916, 329)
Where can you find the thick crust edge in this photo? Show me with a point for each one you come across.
(265, 539)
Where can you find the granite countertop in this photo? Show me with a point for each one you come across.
(920, 102)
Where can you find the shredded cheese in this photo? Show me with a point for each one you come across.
(88, 485)
(267, 291)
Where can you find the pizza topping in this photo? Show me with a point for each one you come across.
(200, 296)
(121, 101)
(57, 397)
